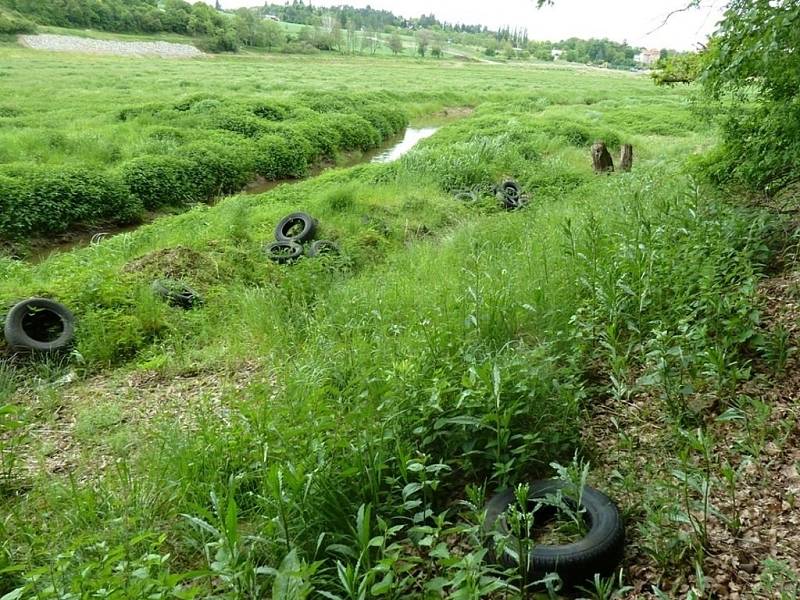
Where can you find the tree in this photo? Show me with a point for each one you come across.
(396, 44)
(423, 41)
(436, 51)
(273, 34)
(679, 68)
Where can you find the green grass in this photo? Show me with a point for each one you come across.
(336, 410)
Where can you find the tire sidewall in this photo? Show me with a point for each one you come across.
(321, 248)
(18, 339)
(280, 258)
(598, 552)
(309, 227)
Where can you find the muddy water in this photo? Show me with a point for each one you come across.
(388, 152)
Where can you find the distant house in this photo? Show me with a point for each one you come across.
(648, 57)
(556, 53)
(271, 18)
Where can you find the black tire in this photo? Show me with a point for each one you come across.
(515, 203)
(176, 293)
(510, 189)
(296, 227)
(320, 247)
(39, 325)
(600, 551)
(283, 252)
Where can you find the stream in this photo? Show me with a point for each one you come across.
(389, 151)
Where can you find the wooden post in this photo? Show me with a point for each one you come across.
(601, 159)
(626, 158)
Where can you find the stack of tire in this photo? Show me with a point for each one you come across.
(291, 233)
(509, 193)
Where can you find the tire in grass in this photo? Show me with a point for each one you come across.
(510, 189)
(283, 252)
(515, 204)
(466, 196)
(600, 551)
(322, 247)
(39, 325)
(297, 227)
(176, 293)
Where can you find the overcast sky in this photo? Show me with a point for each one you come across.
(619, 20)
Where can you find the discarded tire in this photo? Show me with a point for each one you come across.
(600, 551)
(283, 251)
(39, 325)
(510, 194)
(176, 293)
(510, 189)
(466, 196)
(296, 227)
(320, 247)
(515, 203)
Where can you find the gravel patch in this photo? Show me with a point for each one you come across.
(68, 43)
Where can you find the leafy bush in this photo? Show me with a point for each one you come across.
(770, 157)
(13, 221)
(272, 111)
(166, 134)
(356, 132)
(50, 199)
(13, 23)
(322, 135)
(239, 122)
(158, 180)
(218, 166)
(152, 108)
(188, 103)
(278, 158)
(378, 120)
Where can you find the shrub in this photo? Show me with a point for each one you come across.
(206, 106)
(378, 120)
(278, 158)
(239, 122)
(158, 180)
(188, 103)
(355, 132)
(166, 134)
(50, 199)
(397, 118)
(13, 23)
(152, 108)
(272, 111)
(770, 157)
(321, 134)
(14, 221)
(218, 166)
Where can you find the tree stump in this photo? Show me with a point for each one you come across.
(601, 158)
(626, 158)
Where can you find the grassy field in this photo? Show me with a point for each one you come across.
(334, 426)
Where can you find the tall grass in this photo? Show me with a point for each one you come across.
(449, 349)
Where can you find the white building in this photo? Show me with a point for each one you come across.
(648, 57)
(556, 53)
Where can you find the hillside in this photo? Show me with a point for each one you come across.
(338, 424)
